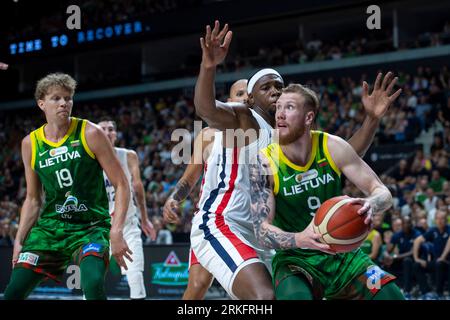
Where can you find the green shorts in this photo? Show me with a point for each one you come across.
(351, 275)
(51, 245)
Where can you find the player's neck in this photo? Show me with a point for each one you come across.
(270, 119)
(56, 130)
(299, 151)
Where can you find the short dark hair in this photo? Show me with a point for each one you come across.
(108, 119)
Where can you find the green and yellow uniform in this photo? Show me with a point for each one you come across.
(74, 221)
(299, 192)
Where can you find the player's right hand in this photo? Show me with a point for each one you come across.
(3, 66)
(215, 45)
(308, 239)
(16, 252)
(119, 248)
(170, 211)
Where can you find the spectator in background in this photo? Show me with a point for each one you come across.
(163, 235)
(397, 224)
(372, 245)
(421, 165)
(430, 205)
(402, 254)
(437, 182)
(6, 233)
(402, 172)
(438, 236)
(379, 224)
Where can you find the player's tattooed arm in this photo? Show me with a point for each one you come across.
(380, 200)
(263, 208)
(182, 190)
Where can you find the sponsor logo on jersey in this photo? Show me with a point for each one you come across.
(58, 151)
(310, 183)
(305, 176)
(58, 158)
(28, 258)
(171, 272)
(91, 247)
(70, 205)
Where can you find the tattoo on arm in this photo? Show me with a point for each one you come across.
(262, 207)
(182, 190)
(381, 201)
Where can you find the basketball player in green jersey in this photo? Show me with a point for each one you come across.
(65, 158)
(290, 181)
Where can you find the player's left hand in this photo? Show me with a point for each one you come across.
(119, 248)
(365, 209)
(377, 103)
(148, 229)
(3, 66)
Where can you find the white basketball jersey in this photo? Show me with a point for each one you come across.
(132, 209)
(226, 188)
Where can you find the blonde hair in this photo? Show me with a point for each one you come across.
(311, 99)
(62, 80)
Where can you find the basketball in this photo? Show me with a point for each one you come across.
(339, 224)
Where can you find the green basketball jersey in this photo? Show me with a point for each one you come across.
(300, 190)
(71, 177)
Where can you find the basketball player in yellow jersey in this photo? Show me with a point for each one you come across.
(64, 160)
(290, 181)
(251, 280)
(199, 279)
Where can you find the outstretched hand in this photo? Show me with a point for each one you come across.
(377, 103)
(3, 66)
(215, 45)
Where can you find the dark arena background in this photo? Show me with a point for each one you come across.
(138, 61)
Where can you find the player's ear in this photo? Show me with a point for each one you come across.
(250, 100)
(40, 104)
(309, 119)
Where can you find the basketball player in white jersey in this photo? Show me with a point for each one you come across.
(199, 279)
(222, 235)
(132, 230)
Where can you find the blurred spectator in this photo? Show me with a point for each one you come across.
(438, 264)
(372, 245)
(402, 254)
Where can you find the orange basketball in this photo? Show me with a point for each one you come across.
(340, 225)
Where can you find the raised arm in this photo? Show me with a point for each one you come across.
(376, 104)
(139, 194)
(104, 153)
(379, 199)
(263, 213)
(33, 200)
(214, 46)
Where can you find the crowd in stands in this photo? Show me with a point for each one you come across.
(94, 12)
(420, 184)
(317, 49)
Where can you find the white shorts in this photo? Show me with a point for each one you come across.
(219, 250)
